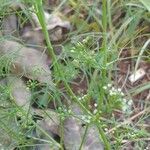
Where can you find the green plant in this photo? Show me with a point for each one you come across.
(92, 57)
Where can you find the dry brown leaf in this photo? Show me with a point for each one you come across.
(55, 25)
(9, 25)
(33, 38)
(50, 121)
(4, 99)
(3, 82)
(57, 35)
(92, 140)
(27, 62)
(19, 92)
(50, 124)
(136, 75)
(52, 21)
(15, 5)
(45, 147)
(74, 132)
(8, 128)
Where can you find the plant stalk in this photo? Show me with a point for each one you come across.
(103, 70)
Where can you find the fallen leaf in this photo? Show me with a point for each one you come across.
(15, 5)
(52, 21)
(50, 124)
(33, 38)
(4, 98)
(74, 130)
(19, 92)
(27, 62)
(45, 147)
(9, 25)
(72, 133)
(55, 25)
(8, 130)
(50, 121)
(138, 74)
(92, 140)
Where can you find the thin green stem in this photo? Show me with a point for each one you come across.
(41, 17)
(84, 136)
(101, 132)
(61, 131)
(103, 71)
(103, 51)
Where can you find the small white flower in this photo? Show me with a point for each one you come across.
(69, 111)
(84, 96)
(75, 61)
(88, 121)
(113, 89)
(111, 93)
(89, 117)
(95, 105)
(86, 118)
(59, 108)
(65, 110)
(125, 100)
(129, 102)
(124, 108)
(80, 98)
(95, 111)
(90, 106)
(122, 94)
(72, 51)
(27, 88)
(105, 87)
(119, 90)
(109, 85)
(83, 117)
(106, 129)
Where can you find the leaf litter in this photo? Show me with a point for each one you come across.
(33, 63)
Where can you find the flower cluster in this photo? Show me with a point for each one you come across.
(63, 112)
(95, 108)
(82, 97)
(116, 96)
(83, 56)
(31, 84)
(86, 118)
(113, 90)
(127, 105)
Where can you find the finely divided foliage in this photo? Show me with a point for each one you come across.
(65, 70)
